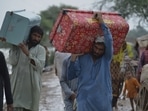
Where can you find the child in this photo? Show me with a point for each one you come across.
(131, 85)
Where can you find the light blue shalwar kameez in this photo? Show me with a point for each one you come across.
(94, 78)
(68, 86)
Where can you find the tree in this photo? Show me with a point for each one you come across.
(135, 33)
(4, 44)
(128, 8)
(139, 31)
(49, 17)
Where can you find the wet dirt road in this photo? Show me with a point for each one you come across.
(51, 97)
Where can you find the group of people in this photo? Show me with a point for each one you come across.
(120, 65)
(93, 74)
(123, 71)
(85, 79)
(23, 86)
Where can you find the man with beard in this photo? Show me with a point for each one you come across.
(93, 72)
(27, 60)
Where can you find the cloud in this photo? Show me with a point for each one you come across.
(38, 5)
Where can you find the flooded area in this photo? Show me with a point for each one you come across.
(51, 97)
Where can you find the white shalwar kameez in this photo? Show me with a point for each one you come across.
(26, 77)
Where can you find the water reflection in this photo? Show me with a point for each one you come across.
(51, 97)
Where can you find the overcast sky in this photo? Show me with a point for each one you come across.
(39, 5)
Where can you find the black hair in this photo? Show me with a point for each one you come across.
(37, 29)
(101, 43)
(146, 47)
(136, 46)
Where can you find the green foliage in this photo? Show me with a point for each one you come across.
(139, 31)
(135, 33)
(4, 45)
(51, 58)
(128, 8)
(49, 17)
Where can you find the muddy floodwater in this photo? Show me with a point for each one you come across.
(51, 97)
